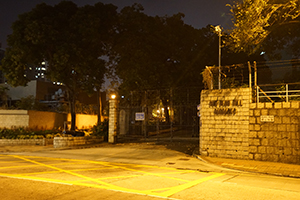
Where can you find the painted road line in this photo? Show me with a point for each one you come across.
(104, 184)
(144, 172)
(185, 186)
(86, 181)
(48, 180)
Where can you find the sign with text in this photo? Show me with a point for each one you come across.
(139, 116)
(267, 118)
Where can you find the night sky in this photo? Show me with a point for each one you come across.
(198, 13)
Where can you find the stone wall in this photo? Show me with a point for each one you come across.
(232, 127)
(113, 121)
(59, 142)
(20, 142)
(225, 123)
(275, 132)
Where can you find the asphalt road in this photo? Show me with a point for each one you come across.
(137, 171)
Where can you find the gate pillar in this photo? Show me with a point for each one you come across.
(113, 120)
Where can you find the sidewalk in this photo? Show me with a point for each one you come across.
(263, 167)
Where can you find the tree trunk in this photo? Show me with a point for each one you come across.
(99, 107)
(72, 110)
(165, 105)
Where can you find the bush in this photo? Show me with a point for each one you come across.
(101, 130)
(22, 133)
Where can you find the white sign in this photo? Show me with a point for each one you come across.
(139, 116)
(267, 118)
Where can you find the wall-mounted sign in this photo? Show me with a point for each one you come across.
(139, 116)
(267, 118)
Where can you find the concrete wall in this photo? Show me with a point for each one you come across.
(225, 123)
(14, 118)
(39, 120)
(84, 121)
(275, 132)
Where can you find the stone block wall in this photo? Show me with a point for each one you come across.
(275, 132)
(225, 123)
(59, 142)
(20, 142)
(113, 121)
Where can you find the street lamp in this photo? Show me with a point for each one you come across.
(219, 31)
(113, 96)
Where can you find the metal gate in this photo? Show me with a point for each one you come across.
(164, 113)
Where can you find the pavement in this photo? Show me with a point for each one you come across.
(186, 147)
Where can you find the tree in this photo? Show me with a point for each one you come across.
(3, 96)
(255, 20)
(156, 52)
(69, 38)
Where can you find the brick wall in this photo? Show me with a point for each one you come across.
(275, 132)
(225, 123)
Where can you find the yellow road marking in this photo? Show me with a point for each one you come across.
(160, 192)
(179, 188)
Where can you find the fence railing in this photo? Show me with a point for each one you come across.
(284, 93)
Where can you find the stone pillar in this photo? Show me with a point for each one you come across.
(113, 121)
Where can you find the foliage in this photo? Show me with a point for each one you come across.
(86, 109)
(255, 20)
(69, 38)
(101, 130)
(154, 52)
(22, 133)
(3, 96)
(29, 103)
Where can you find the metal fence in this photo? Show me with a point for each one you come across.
(269, 81)
(160, 113)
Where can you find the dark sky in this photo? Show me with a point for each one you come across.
(198, 13)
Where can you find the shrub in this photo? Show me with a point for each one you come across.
(101, 130)
(22, 133)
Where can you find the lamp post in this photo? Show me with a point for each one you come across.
(219, 31)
